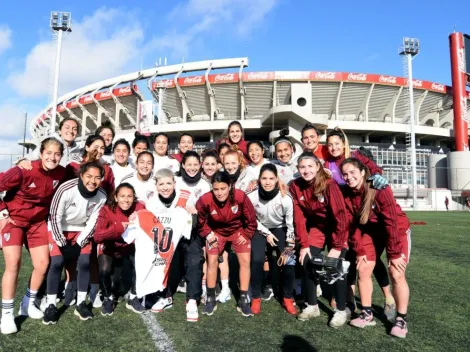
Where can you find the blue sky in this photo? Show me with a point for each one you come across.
(117, 37)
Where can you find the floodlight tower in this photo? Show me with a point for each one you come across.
(60, 22)
(409, 49)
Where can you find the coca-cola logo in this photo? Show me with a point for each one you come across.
(106, 94)
(258, 76)
(87, 99)
(417, 83)
(193, 80)
(388, 79)
(165, 83)
(463, 107)
(357, 77)
(461, 57)
(325, 75)
(228, 77)
(439, 87)
(124, 90)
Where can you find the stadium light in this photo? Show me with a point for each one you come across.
(60, 22)
(409, 49)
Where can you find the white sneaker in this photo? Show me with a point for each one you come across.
(30, 311)
(162, 303)
(224, 296)
(8, 325)
(339, 318)
(309, 312)
(43, 304)
(192, 313)
(97, 302)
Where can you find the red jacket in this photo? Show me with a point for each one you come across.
(373, 167)
(321, 152)
(226, 219)
(178, 157)
(386, 219)
(29, 192)
(73, 171)
(316, 218)
(109, 229)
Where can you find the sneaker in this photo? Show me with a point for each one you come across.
(244, 307)
(181, 287)
(390, 311)
(51, 315)
(309, 312)
(400, 329)
(107, 307)
(363, 320)
(267, 293)
(43, 305)
(8, 325)
(83, 312)
(135, 305)
(289, 306)
(192, 313)
(211, 306)
(224, 296)
(339, 319)
(30, 311)
(256, 306)
(96, 300)
(70, 297)
(162, 303)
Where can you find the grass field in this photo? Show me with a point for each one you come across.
(438, 276)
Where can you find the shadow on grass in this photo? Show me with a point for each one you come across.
(292, 343)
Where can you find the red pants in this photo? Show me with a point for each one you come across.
(71, 237)
(375, 245)
(33, 236)
(223, 240)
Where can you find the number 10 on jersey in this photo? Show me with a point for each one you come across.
(162, 238)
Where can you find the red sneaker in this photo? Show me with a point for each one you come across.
(256, 306)
(288, 304)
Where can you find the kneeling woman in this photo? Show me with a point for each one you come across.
(112, 250)
(226, 215)
(274, 211)
(381, 225)
(320, 219)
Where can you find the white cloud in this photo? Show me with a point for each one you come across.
(10, 151)
(101, 46)
(5, 39)
(11, 121)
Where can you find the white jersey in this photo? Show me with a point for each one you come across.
(156, 236)
(197, 189)
(143, 189)
(255, 169)
(275, 213)
(165, 162)
(120, 172)
(244, 180)
(182, 198)
(108, 158)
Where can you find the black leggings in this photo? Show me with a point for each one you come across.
(112, 267)
(311, 280)
(55, 271)
(380, 271)
(283, 276)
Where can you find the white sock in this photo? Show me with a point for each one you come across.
(94, 288)
(7, 307)
(29, 298)
(51, 299)
(81, 297)
(224, 284)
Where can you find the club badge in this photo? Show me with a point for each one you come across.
(235, 209)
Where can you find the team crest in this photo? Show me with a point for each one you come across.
(278, 207)
(235, 209)
(51, 246)
(321, 199)
(6, 236)
(149, 194)
(55, 183)
(89, 208)
(198, 192)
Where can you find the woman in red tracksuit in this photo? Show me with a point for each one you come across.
(226, 215)
(112, 250)
(320, 218)
(23, 215)
(380, 225)
(235, 137)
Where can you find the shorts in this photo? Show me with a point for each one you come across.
(71, 237)
(33, 236)
(374, 246)
(232, 239)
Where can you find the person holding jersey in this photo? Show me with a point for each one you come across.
(161, 144)
(106, 131)
(311, 141)
(139, 144)
(320, 219)
(185, 144)
(234, 137)
(286, 157)
(23, 214)
(93, 151)
(169, 196)
(190, 176)
(226, 215)
(210, 164)
(235, 166)
(380, 224)
(122, 165)
(142, 178)
(72, 222)
(256, 156)
(112, 250)
(274, 213)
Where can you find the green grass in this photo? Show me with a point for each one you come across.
(438, 276)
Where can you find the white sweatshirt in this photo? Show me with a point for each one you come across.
(165, 162)
(120, 172)
(196, 189)
(70, 211)
(244, 180)
(143, 189)
(288, 171)
(255, 169)
(273, 214)
(182, 198)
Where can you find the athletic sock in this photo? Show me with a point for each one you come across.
(402, 316)
(211, 292)
(7, 306)
(368, 310)
(81, 297)
(29, 297)
(224, 284)
(51, 299)
(243, 293)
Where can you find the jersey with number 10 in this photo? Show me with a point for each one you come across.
(156, 236)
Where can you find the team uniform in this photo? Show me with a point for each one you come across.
(288, 171)
(120, 172)
(333, 164)
(178, 157)
(197, 189)
(165, 162)
(321, 153)
(73, 171)
(245, 180)
(255, 169)
(242, 146)
(144, 190)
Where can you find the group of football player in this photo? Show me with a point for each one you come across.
(72, 208)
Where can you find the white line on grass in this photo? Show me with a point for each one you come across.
(159, 336)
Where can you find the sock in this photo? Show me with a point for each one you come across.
(94, 288)
(389, 300)
(401, 315)
(81, 297)
(29, 298)
(7, 306)
(51, 299)
(224, 284)
(211, 292)
(243, 293)
(368, 310)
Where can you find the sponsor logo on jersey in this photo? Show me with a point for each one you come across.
(32, 185)
(6, 236)
(214, 212)
(235, 209)
(55, 183)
